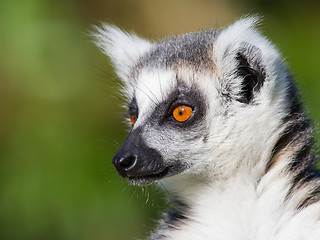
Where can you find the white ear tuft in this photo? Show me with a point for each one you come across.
(242, 37)
(123, 48)
(244, 31)
(245, 59)
(230, 38)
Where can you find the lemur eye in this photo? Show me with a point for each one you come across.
(182, 113)
(133, 119)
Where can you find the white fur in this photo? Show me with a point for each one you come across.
(123, 48)
(240, 209)
(151, 89)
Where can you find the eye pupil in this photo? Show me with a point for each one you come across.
(182, 113)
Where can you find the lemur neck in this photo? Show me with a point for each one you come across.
(188, 190)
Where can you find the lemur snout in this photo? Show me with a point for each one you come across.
(139, 162)
(136, 160)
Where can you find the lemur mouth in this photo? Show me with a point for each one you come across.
(150, 178)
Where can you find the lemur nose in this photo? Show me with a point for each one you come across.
(124, 163)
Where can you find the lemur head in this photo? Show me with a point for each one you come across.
(200, 104)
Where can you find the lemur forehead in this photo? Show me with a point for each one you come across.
(155, 86)
(193, 50)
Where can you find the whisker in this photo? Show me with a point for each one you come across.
(161, 90)
(155, 104)
(116, 144)
(164, 187)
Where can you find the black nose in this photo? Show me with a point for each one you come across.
(124, 163)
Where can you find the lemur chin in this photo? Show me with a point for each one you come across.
(216, 117)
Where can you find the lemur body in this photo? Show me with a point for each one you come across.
(238, 158)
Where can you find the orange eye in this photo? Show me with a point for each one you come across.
(182, 113)
(133, 119)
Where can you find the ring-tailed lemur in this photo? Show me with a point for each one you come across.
(217, 118)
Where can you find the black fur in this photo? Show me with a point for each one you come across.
(308, 178)
(299, 132)
(133, 107)
(312, 198)
(253, 77)
(175, 216)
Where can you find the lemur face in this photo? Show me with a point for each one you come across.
(193, 100)
(168, 127)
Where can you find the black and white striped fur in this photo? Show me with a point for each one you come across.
(242, 166)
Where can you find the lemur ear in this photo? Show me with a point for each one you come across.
(251, 69)
(244, 58)
(123, 48)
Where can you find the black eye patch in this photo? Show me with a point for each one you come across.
(181, 96)
(133, 107)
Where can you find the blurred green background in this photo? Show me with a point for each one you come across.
(60, 122)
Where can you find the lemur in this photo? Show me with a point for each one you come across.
(217, 118)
